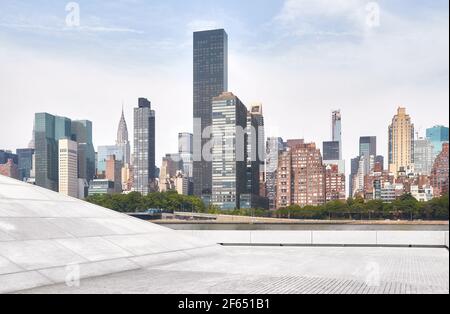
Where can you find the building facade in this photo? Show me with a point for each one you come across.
(82, 134)
(68, 167)
(25, 163)
(229, 158)
(49, 129)
(301, 176)
(10, 169)
(114, 172)
(440, 172)
(336, 131)
(274, 147)
(334, 184)
(210, 80)
(423, 156)
(401, 142)
(122, 141)
(186, 151)
(438, 135)
(144, 148)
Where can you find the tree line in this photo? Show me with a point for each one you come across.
(405, 208)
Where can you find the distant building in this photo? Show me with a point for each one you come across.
(337, 130)
(186, 151)
(440, 172)
(422, 194)
(6, 155)
(334, 184)
(401, 142)
(390, 192)
(114, 172)
(300, 176)
(10, 169)
(274, 147)
(229, 160)
(438, 135)
(331, 150)
(182, 184)
(127, 178)
(368, 149)
(103, 152)
(353, 172)
(25, 163)
(122, 141)
(210, 80)
(144, 148)
(256, 111)
(68, 167)
(423, 156)
(49, 130)
(171, 165)
(255, 124)
(101, 187)
(82, 134)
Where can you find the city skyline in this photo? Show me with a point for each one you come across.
(340, 86)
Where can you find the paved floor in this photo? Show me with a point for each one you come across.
(284, 270)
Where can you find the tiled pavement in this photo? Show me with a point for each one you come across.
(259, 270)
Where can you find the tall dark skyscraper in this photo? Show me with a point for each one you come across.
(144, 147)
(210, 80)
(25, 162)
(49, 130)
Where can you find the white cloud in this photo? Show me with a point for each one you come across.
(199, 25)
(79, 89)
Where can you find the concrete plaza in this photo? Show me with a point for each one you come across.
(284, 270)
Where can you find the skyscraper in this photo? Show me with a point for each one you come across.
(49, 130)
(25, 162)
(424, 156)
(144, 147)
(122, 140)
(229, 180)
(368, 150)
(186, 150)
(337, 130)
(210, 80)
(256, 111)
(331, 151)
(255, 125)
(438, 135)
(68, 167)
(82, 134)
(275, 145)
(401, 142)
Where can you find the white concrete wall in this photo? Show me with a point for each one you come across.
(359, 238)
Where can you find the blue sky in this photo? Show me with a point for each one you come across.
(300, 58)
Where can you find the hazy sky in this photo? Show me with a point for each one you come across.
(300, 58)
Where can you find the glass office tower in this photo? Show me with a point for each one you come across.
(144, 147)
(210, 80)
(229, 152)
(438, 135)
(25, 162)
(49, 130)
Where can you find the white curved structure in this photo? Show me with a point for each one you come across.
(45, 237)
